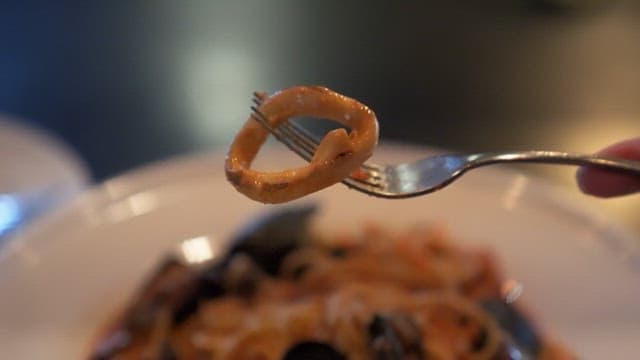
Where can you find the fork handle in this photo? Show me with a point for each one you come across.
(556, 157)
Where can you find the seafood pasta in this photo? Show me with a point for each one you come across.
(284, 293)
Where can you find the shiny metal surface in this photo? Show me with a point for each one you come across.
(435, 172)
(405, 180)
(127, 83)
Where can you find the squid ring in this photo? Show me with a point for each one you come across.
(339, 153)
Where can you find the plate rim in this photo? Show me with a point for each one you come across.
(135, 181)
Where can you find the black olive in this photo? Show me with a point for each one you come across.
(313, 350)
(480, 340)
(338, 253)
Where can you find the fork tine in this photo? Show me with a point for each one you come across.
(262, 120)
(303, 143)
(286, 132)
(373, 172)
(369, 183)
(312, 139)
(304, 134)
(293, 146)
(306, 139)
(258, 97)
(296, 132)
(362, 186)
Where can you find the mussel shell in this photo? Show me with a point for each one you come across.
(266, 240)
(269, 239)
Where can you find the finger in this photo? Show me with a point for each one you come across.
(606, 183)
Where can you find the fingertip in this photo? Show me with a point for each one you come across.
(588, 184)
(582, 180)
(605, 183)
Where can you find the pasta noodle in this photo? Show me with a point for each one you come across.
(381, 295)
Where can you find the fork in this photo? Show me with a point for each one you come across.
(405, 180)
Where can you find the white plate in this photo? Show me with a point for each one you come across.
(68, 273)
(37, 173)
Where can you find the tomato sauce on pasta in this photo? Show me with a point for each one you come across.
(375, 295)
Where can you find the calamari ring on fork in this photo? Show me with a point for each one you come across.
(337, 156)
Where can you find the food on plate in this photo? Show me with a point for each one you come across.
(283, 292)
(338, 154)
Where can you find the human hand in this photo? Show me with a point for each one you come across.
(605, 183)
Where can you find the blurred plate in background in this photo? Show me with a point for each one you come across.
(37, 173)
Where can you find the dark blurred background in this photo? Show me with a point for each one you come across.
(129, 82)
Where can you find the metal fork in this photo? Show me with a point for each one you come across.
(404, 180)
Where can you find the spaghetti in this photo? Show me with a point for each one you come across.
(378, 295)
